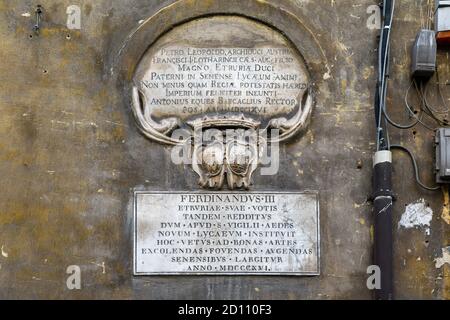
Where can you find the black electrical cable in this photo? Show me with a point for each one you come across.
(411, 113)
(383, 66)
(400, 126)
(382, 171)
(439, 84)
(426, 109)
(422, 112)
(422, 89)
(416, 169)
(434, 109)
(431, 110)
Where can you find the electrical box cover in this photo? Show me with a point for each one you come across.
(442, 15)
(443, 155)
(424, 54)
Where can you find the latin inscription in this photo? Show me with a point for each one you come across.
(187, 81)
(226, 233)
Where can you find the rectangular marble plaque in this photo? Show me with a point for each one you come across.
(259, 233)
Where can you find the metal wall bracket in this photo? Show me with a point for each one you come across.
(38, 12)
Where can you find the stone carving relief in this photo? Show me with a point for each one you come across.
(231, 79)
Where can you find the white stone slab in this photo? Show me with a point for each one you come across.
(259, 233)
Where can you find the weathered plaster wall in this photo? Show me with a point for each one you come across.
(70, 155)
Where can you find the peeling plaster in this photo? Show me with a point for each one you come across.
(327, 75)
(102, 265)
(446, 207)
(4, 253)
(444, 259)
(417, 215)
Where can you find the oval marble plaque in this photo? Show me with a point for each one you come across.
(222, 73)
(221, 65)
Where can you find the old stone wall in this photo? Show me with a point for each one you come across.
(71, 154)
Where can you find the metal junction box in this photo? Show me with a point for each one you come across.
(443, 155)
(442, 16)
(424, 54)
